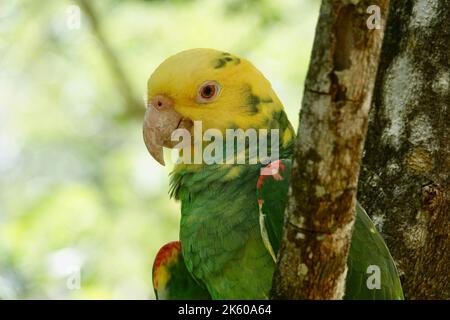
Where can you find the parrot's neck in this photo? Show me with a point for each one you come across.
(261, 143)
(190, 179)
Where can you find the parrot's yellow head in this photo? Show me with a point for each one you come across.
(219, 89)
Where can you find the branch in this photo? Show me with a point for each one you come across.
(321, 212)
(134, 108)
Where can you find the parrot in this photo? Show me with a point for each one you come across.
(232, 214)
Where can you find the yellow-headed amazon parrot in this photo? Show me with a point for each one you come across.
(231, 214)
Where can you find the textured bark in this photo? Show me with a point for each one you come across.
(333, 121)
(404, 180)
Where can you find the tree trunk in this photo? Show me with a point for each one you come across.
(320, 216)
(404, 181)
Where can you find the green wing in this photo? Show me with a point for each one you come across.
(171, 279)
(368, 252)
(368, 258)
(272, 192)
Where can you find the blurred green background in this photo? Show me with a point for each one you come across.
(83, 207)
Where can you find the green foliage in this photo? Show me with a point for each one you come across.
(77, 186)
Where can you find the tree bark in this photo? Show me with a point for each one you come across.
(404, 182)
(333, 121)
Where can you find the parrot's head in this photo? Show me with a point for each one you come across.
(217, 88)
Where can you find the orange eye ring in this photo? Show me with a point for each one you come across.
(208, 91)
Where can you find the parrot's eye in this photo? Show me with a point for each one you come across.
(208, 91)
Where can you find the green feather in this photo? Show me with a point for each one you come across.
(180, 284)
(219, 230)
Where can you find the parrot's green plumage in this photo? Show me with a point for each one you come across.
(231, 215)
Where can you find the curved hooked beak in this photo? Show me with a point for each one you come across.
(160, 121)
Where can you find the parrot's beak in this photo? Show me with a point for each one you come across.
(160, 121)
